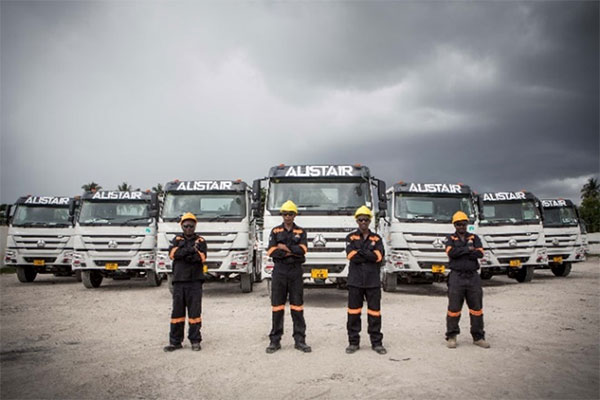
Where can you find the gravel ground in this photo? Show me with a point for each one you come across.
(60, 340)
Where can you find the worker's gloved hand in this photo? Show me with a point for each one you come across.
(368, 255)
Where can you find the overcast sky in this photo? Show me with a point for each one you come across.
(498, 95)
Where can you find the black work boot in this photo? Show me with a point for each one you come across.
(273, 347)
(352, 348)
(302, 347)
(379, 349)
(172, 347)
(196, 346)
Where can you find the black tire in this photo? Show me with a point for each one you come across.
(525, 274)
(153, 279)
(26, 274)
(78, 275)
(390, 281)
(563, 269)
(485, 275)
(246, 283)
(91, 279)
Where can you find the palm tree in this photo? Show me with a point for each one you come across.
(158, 189)
(88, 187)
(124, 187)
(591, 189)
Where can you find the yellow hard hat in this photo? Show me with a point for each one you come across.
(459, 216)
(289, 206)
(187, 216)
(363, 210)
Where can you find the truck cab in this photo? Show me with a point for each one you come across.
(512, 234)
(563, 232)
(40, 236)
(327, 197)
(115, 237)
(419, 218)
(223, 210)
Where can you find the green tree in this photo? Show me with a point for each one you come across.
(159, 190)
(590, 205)
(88, 187)
(124, 187)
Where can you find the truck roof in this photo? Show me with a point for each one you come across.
(442, 188)
(115, 195)
(319, 171)
(552, 203)
(52, 201)
(506, 196)
(206, 186)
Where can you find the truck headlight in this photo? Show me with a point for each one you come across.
(76, 259)
(146, 258)
(10, 256)
(239, 260)
(542, 255)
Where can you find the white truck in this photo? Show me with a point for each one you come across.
(115, 237)
(418, 219)
(327, 197)
(512, 234)
(564, 238)
(40, 236)
(223, 210)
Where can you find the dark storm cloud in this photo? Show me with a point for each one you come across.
(500, 95)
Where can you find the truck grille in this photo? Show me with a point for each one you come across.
(51, 243)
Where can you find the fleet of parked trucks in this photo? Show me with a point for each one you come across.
(126, 234)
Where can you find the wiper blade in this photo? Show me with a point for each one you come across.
(222, 216)
(136, 219)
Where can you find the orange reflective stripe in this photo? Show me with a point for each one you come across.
(379, 256)
(354, 310)
(200, 239)
(453, 237)
(278, 308)
(272, 249)
(480, 249)
(448, 249)
(453, 314)
(374, 313)
(298, 231)
(304, 248)
(195, 320)
(202, 256)
(177, 320)
(172, 253)
(351, 254)
(296, 308)
(477, 313)
(374, 238)
(277, 230)
(354, 237)
(471, 237)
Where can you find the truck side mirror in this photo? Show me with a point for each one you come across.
(255, 191)
(8, 213)
(381, 192)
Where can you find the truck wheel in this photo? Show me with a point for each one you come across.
(91, 279)
(485, 275)
(525, 274)
(78, 275)
(389, 282)
(26, 274)
(153, 279)
(170, 282)
(246, 283)
(563, 269)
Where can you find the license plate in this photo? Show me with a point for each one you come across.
(438, 269)
(558, 259)
(318, 273)
(514, 263)
(111, 266)
(39, 262)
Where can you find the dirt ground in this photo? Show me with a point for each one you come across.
(60, 340)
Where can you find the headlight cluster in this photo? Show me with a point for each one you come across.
(10, 256)
(239, 260)
(146, 259)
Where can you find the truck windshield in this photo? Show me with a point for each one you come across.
(319, 196)
(211, 206)
(41, 216)
(513, 212)
(114, 213)
(560, 216)
(431, 208)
